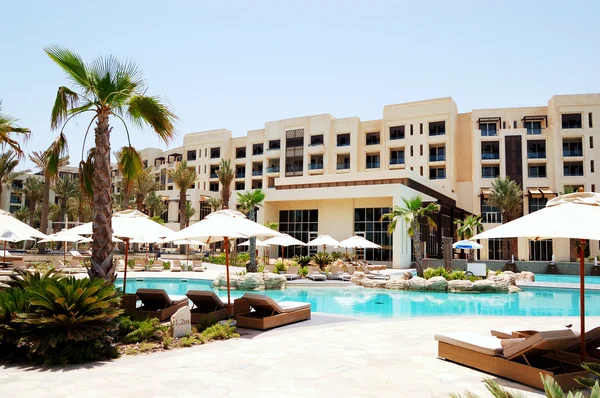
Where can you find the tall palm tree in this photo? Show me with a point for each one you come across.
(65, 188)
(129, 163)
(189, 212)
(144, 184)
(79, 208)
(214, 203)
(183, 178)
(40, 159)
(22, 214)
(7, 128)
(249, 202)
(506, 196)
(33, 189)
(8, 164)
(225, 174)
(107, 88)
(412, 213)
(154, 204)
(467, 228)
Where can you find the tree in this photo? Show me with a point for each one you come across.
(33, 189)
(65, 188)
(79, 208)
(567, 190)
(40, 159)
(248, 203)
(144, 184)
(107, 88)
(8, 165)
(129, 164)
(183, 178)
(225, 174)
(412, 214)
(21, 214)
(468, 228)
(507, 197)
(189, 212)
(214, 203)
(7, 128)
(155, 205)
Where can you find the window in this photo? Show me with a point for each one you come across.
(514, 124)
(490, 150)
(536, 149)
(572, 147)
(490, 214)
(437, 153)
(17, 184)
(343, 162)
(590, 121)
(205, 210)
(495, 249)
(540, 250)
(240, 171)
(437, 173)
(274, 144)
(240, 153)
(215, 153)
(257, 149)
(421, 128)
(240, 185)
(437, 128)
(533, 128)
(536, 204)
(302, 225)
(537, 171)
(213, 187)
(488, 129)
(368, 223)
(591, 142)
(191, 155)
(256, 184)
(145, 163)
(257, 169)
(593, 187)
(397, 156)
(573, 169)
(372, 161)
(504, 125)
(421, 150)
(15, 198)
(411, 129)
(571, 120)
(591, 166)
(273, 167)
(213, 171)
(490, 171)
(421, 170)
(204, 169)
(316, 162)
(316, 140)
(397, 133)
(205, 152)
(373, 138)
(343, 139)
(412, 153)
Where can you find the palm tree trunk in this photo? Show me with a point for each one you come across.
(417, 245)
(505, 250)
(1, 189)
(32, 215)
(126, 196)
(45, 209)
(139, 203)
(182, 204)
(102, 265)
(252, 266)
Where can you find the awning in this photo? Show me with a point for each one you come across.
(489, 120)
(547, 192)
(535, 192)
(485, 192)
(537, 118)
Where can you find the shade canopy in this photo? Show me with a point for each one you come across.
(357, 241)
(8, 236)
(63, 236)
(466, 244)
(285, 240)
(189, 242)
(88, 240)
(258, 243)
(129, 224)
(10, 226)
(323, 240)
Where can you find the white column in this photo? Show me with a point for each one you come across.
(401, 242)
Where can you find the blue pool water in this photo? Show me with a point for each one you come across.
(381, 303)
(593, 280)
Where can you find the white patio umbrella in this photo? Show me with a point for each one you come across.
(259, 243)
(223, 225)
(13, 230)
(572, 216)
(284, 241)
(8, 236)
(466, 244)
(63, 236)
(357, 241)
(187, 243)
(323, 240)
(89, 239)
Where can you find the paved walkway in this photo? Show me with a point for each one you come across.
(326, 356)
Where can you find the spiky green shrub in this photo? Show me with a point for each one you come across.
(219, 332)
(336, 255)
(457, 275)
(142, 330)
(303, 271)
(303, 261)
(279, 267)
(322, 259)
(22, 279)
(431, 272)
(12, 302)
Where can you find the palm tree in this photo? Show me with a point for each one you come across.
(144, 184)
(154, 204)
(107, 88)
(183, 177)
(8, 163)
(22, 214)
(214, 203)
(249, 203)
(507, 197)
(468, 228)
(129, 163)
(78, 206)
(567, 190)
(33, 189)
(8, 127)
(65, 188)
(40, 159)
(412, 214)
(225, 174)
(189, 212)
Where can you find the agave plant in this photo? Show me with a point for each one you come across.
(322, 259)
(12, 302)
(21, 279)
(303, 261)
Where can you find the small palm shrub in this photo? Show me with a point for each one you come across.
(279, 267)
(219, 332)
(431, 272)
(457, 275)
(138, 331)
(336, 255)
(322, 259)
(303, 271)
(303, 261)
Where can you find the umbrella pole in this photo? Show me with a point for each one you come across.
(126, 265)
(65, 252)
(187, 253)
(4, 253)
(226, 245)
(282, 252)
(582, 296)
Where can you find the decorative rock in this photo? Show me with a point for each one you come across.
(274, 281)
(253, 281)
(497, 285)
(181, 323)
(220, 281)
(373, 283)
(407, 275)
(491, 274)
(459, 286)
(357, 277)
(513, 289)
(437, 283)
(525, 276)
(508, 277)
(397, 284)
(417, 283)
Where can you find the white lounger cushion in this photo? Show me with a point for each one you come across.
(290, 306)
(507, 333)
(487, 345)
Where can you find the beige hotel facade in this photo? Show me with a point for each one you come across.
(323, 174)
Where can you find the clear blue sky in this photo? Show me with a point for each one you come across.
(236, 65)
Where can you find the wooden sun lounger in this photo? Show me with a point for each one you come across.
(257, 311)
(197, 266)
(206, 306)
(314, 274)
(292, 273)
(269, 268)
(175, 266)
(523, 361)
(156, 303)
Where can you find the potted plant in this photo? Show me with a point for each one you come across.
(280, 268)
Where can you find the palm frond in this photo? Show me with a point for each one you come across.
(130, 164)
(86, 174)
(53, 155)
(8, 127)
(115, 82)
(72, 64)
(65, 101)
(151, 111)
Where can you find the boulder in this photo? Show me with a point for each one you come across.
(459, 286)
(513, 289)
(357, 277)
(274, 281)
(509, 278)
(397, 284)
(407, 275)
(373, 283)
(338, 263)
(437, 283)
(491, 274)
(220, 282)
(498, 284)
(417, 283)
(251, 281)
(181, 324)
(525, 276)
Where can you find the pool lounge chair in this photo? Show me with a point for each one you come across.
(197, 266)
(257, 311)
(314, 274)
(339, 274)
(269, 268)
(291, 273)
(120, 265)
(158, 266)
(371, 266)
(207, 306)
(372, 275)
(175, 266)
(78, 256)
(521, 360)
(156, 303)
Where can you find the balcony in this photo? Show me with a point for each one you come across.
(491, 218)
(437, 158)
(536, 155)
(315, 166)
(240, 175)
(273, 169)
(396, 161)
(490, 174)
(15, 199)
(214, 175)
(256, 173)
(535, 131)
(343, 143)
(490, 156)
(373, 165)
(572, 152)
(489, 133)
(343, 166)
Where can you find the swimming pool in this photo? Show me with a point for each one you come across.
(592, 280)
(380, 303)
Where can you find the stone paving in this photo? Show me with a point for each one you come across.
(326, 356)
